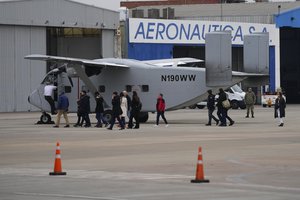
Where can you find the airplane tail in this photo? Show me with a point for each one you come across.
(218, 60)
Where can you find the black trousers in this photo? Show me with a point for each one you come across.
(51, 102)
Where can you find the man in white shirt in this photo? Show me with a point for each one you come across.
(48, 91)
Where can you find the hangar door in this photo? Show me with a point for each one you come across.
(74, 42)
(290, 63)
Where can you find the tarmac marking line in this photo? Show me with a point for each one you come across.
(68, 196)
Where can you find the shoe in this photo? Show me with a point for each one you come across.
(252, 116)
(129, 127)
(55, 126)
(207, 124)
(67, 126)
(167, 125)
(217, 122)
(280, 124)
(231, 123)
(87, 126)
(122, 128)
(247, 116)
(76, 125)
(136, 127)
(109, 128)
(156, 125)
(222, 125)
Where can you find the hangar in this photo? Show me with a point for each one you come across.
(54, 27)
(282, 17)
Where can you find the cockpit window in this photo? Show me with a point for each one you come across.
(51, 78)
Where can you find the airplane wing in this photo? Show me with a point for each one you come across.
(173, 62)
(78, 61)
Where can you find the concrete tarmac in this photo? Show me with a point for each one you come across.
(254, 159)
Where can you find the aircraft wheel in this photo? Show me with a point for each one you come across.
(200, 106)
(45, 118)
(234, 104)
(108, 114)
(193, 106)
(144, 117)
(242, 105)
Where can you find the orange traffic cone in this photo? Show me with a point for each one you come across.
(57, 163)
(199, 172)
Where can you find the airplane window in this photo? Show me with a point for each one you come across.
(101, 89)
(68, 89)
(128, 88)
(145, 88)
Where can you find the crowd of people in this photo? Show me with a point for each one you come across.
(123, 106)
(223, 105)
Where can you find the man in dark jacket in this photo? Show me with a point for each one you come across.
(62, 107)
(211, 108)
(221, 110)
(117, 111)
(84, 108)
(99, 110)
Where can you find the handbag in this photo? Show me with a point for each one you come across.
(226, 104)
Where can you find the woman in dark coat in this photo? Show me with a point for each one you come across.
(280, 108)
(136, 107)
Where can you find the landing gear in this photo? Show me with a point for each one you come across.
(108, 115)
(144, 117)
(45, 119)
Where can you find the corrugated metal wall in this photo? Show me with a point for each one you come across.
(108, 43)
(57, 13)
(18, 76)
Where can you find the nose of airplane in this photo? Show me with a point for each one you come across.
(35, 99)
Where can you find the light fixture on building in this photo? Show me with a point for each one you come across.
(47, 22)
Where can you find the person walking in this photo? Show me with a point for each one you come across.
(99, 110)
(116, 111)
(124, 107)
(250, 100)
(136, 107)
(85, 109)
(48, 92)
(79, 112)
(280, 106)
(222, 111)
(160, 110)
(211, 108)
(62, 107)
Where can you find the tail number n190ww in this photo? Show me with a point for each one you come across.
(181, 77)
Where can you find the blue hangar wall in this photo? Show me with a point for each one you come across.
(161, 39)
(289, 24)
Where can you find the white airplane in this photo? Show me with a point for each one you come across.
(181, 86)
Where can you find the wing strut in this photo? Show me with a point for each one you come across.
(80, 71)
